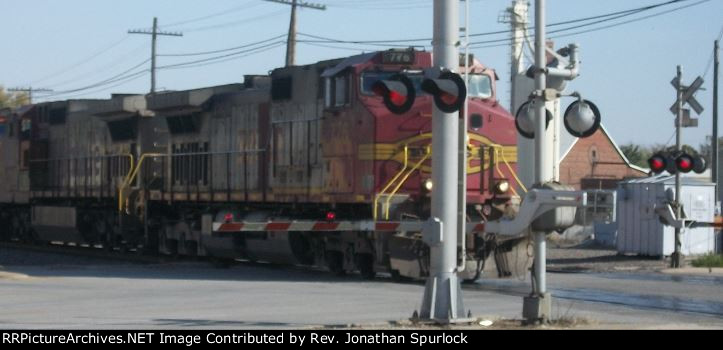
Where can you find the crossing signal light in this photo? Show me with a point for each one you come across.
(683, 163)
(658, 163)
(398, 93)
(687, 163)
(582, 118)
(449, 91)
(525, 120)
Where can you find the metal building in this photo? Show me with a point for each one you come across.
(641, 232)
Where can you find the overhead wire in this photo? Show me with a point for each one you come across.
(216, 58)
(81, 62)
(221, 50)
(592, 29)
(244, 6)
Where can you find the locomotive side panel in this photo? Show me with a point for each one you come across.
(295, 113)
(9, 142)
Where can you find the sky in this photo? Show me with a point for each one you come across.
(82, 49)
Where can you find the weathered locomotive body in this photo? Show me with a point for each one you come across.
(306, 144)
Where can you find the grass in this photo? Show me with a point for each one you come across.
(709, 260)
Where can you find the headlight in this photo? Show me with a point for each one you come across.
(502, 187)
(428, 184)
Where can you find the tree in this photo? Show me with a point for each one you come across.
(12, 99)
(636, 154)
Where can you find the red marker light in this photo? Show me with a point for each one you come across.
(330, 216)
(228, 217)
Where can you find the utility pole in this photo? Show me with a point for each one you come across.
(442, 299)
(154, 33)
(29, 90)
(291, 39)
(538, 305)
(676, 256)
(714, 160)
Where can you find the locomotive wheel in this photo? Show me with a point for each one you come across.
(365, 264)
(335, 262)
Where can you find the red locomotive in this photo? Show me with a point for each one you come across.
(304, 166)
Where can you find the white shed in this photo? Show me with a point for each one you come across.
(639, 228)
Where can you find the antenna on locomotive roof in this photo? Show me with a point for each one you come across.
(291, 40)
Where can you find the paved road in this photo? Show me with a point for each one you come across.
(195, 295)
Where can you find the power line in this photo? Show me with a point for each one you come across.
(154, 33)
(710, 60)
(231, 58)
(28, 90)
(221, 50)
(103, 68)
(110, 80)
(211, 59)
(244, 6)
(615, 15)
(81, 62)
(597, 22)
(235, 22)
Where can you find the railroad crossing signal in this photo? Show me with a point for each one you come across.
(398, 93)
(449, 91)
(688, 92)
(674, 162)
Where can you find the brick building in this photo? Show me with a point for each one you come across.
(596, 162)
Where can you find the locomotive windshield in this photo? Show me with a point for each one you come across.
(369, 78)
(480, 86)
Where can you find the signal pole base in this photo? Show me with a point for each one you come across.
(676, 260)
(537, 308)
(442, 301)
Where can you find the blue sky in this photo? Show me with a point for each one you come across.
(626, 69)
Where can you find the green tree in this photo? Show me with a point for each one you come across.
(636, 154)
(12, 99)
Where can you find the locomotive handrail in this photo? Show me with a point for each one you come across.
(391, 182)
(498, 150)
(404, 179)
(131, 176)
(92, 157)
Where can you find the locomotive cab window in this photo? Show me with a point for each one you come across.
(337, 91)
(480, 86)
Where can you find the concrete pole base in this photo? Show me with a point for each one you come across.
(442, 300)
(677, 260)
(537, 308)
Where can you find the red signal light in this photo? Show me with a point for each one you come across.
(684, 163)
(658, 163)
(398, 93)
(228, 217)
(330, 216)
(449, 91)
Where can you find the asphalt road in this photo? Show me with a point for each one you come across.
(35, 293)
